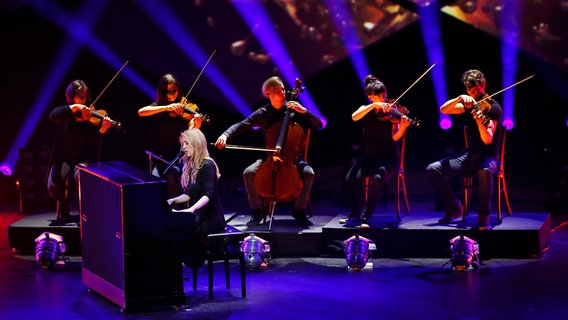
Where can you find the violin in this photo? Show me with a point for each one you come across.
(95, 117)
(190, 110)
(396, 113)
(482, 105)
(277, 177)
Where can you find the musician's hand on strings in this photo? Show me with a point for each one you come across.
(295, 106)
(195, 121)
(382, 106)
(404, 121)
(478, 116)
(175, 109)
(106, 124)
(81, 112)
(221, 142)
(467, 101)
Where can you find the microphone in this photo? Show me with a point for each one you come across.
(176, 159)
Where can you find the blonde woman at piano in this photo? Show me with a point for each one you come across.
(200, 182)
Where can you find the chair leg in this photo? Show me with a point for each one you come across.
(502, 188)
(271, 208)
(210, 272)
(398, 186)
(243, 275)
(195, 279)
(468, 185)
(499, 217)
(227, 275)
(367, 187)
(404, 193)
(506, 194)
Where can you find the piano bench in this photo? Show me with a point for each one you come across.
(224, 246)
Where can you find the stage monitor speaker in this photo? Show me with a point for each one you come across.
(125, 256)
(32, 180)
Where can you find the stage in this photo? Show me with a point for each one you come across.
(521, 235)
(307, 272)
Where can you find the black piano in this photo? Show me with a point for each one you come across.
(128, 235)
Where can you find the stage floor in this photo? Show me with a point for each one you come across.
(319, 284)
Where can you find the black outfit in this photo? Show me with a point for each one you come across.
(479, 158)
(265, 117)
(210, 218)
(75, 142)
(164, 142)
(380, 161)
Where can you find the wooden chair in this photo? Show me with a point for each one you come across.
(501, 183)
(224, 246)
(306, 148)
(400, 183)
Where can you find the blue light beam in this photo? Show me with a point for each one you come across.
(164, 18)
(431, 35)
(254, 14)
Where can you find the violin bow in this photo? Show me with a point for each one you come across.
(507, 88)
(239, 147)
(414, 83)
(108, 84)
(199, 75)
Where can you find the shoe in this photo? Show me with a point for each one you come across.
(343, 220)
(365, 223)
(300, 217)
(256, 217)
(353, 222)
(63, 216)
(483, 223)
(61, 221)
(451, 215)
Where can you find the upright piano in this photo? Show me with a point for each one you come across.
(126, 236)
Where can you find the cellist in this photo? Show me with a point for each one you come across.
(265, 117)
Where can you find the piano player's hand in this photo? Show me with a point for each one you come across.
(183, 210)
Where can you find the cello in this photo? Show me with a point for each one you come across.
(277, 178)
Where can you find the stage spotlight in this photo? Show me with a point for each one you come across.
(357, 251)
(468, 6)
(464, 253)
(49, 247)
(238, 47)
(256, 251)
(5, 170)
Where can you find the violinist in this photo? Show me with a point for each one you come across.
(380, 158)
(76, 140)
(484, 134)
(168, 119)
(265, 117)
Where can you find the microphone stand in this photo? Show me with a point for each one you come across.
(176, 159)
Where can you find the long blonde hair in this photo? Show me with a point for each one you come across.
(191, 166)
